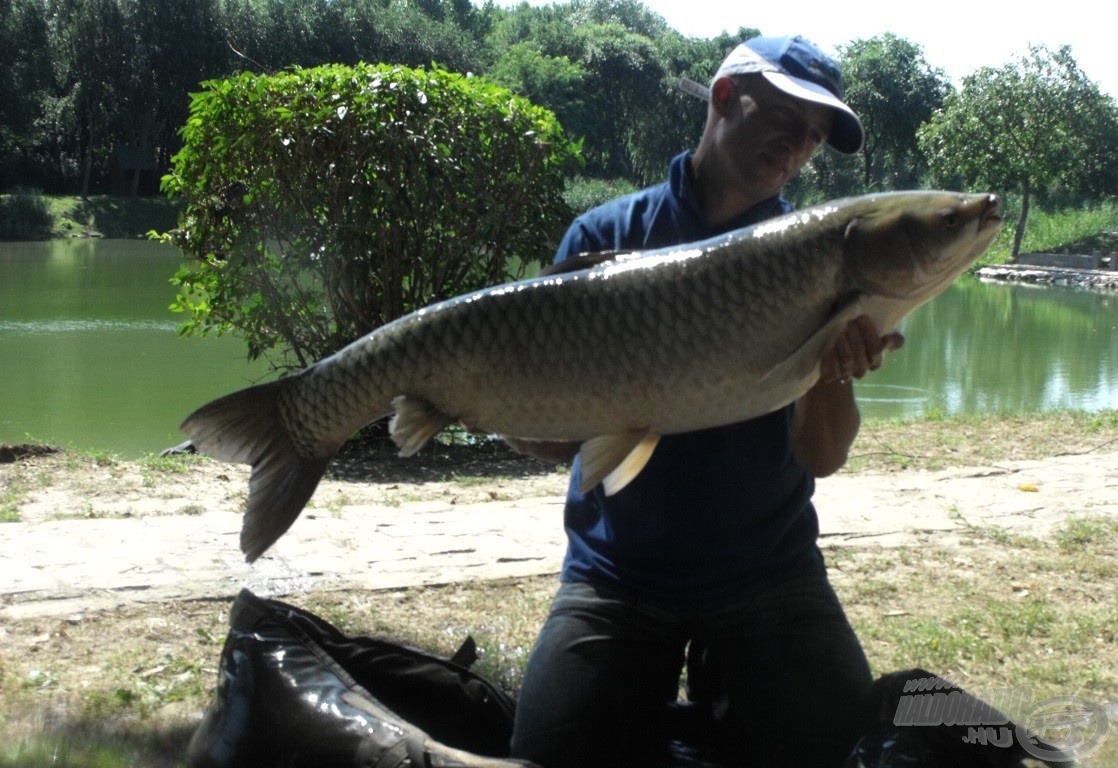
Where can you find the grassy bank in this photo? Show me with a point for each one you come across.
(33, 216)
(1089, 230)
(994, 611)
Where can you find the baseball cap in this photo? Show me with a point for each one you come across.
(800, 69)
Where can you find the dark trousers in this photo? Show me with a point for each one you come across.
(780, 671)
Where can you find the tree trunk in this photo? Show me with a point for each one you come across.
(87, 172)
(1019, 235)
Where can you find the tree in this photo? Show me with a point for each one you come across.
(187, 49)
(269, 35)
(622, 81)
(1027, 127)
(322, 203)
(26, 82)
(633, 15)
(675, 121)
(894, 91)
(92, 49)
(552, 81)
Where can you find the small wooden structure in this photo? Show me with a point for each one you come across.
(125, 162)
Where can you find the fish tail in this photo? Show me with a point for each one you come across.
(246, 427)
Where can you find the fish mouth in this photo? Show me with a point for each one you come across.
(991, 215)
(989, 221)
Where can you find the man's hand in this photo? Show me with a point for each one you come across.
(859, 350)
(826, 419)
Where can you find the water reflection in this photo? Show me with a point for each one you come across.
(89, 353)
(28, 327)
(982, 348)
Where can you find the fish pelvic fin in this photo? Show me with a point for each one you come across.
(246, 427)
(414, 423)
(615, 460)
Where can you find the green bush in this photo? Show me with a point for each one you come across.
(24, 215)
(322, 203)
(583, 194)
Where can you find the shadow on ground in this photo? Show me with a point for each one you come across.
(376, 460)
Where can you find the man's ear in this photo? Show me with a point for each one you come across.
(721, 92)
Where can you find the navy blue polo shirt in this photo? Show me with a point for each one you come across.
(715, 512)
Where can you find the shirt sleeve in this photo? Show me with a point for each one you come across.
(578, 239)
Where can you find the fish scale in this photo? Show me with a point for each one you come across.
(612, 353)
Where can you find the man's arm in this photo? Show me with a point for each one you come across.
(826, 418)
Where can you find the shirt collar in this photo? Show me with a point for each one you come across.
(683, 189)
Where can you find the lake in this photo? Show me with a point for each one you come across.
(89, 351)
(90, 356)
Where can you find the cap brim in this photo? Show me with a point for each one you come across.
(847, 134)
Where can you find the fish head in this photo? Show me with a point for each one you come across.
(911, 245)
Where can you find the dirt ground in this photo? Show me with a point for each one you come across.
(1027, 592)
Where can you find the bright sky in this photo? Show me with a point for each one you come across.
(958, 38)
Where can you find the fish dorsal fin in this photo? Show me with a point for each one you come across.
(580, 262)
(614, 460)
(414, 423)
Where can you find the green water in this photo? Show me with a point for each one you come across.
(998, 348)
(89, 355)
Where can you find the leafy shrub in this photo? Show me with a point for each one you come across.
(24, 215)
(322, 203)
(583, 194)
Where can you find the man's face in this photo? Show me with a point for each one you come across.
(767, 135)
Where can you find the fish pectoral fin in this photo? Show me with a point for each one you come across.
(803, 364)
(614, 460)
(414, 422)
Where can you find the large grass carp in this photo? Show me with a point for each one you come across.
(612, 354)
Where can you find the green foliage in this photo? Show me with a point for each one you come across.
(1017, 126)
(583, 194)
(1083, 229)
(322, 203)
(1026, 127)
(554, 82)
(671, 120)
(88, 77)
(608, 70)
(24, 215)
(25, 62)
(62, 752)
(269, 35)
(894, 91)
(828, 175)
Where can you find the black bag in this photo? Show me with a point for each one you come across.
(293, 691)
(905, 727)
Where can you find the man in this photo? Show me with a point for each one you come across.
(708, 559)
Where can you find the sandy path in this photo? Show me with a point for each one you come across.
(133, 541)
